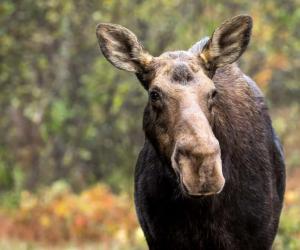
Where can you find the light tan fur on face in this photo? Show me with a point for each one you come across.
(200, 163)
(199, 166)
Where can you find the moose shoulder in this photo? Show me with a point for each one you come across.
(211, 173)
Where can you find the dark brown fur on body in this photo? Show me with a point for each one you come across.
(206, 125)
(245, 214)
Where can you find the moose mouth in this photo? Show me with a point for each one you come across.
(203, 192)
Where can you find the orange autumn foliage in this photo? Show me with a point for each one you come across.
(51, 216)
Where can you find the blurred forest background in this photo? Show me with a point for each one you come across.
(70, 123)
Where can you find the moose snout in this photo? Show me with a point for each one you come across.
(200, 172)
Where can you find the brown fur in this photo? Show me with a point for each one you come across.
(205, 122)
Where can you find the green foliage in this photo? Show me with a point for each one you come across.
(9, 199)
(288, 237)
(5, 177)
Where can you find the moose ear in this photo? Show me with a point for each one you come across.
(227, 43)
(121, 47)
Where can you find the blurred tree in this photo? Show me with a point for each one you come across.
(67, 113)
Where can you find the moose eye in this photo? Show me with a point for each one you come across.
(211, 98)
(213, 94)
(154, 96)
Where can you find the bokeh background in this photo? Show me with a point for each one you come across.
(70, 123)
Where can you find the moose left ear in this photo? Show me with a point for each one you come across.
(227, 43)
(122, 48)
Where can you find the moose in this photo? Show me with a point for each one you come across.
(211, 173)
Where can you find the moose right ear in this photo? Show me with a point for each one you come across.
(227, 44)
(122, 48)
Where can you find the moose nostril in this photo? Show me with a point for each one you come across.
(180, 151)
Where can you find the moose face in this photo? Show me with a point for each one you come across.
(180, 109)
(177, 117)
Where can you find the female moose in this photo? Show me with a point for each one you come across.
(211, 173)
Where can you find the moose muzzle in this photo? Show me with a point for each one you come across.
(197, 156)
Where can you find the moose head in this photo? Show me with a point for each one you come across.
(179, 115)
